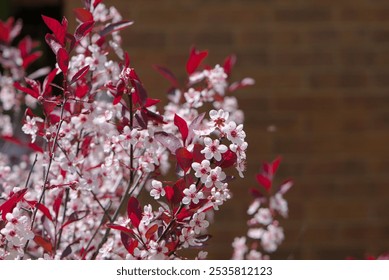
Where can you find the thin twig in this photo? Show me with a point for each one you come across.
(32, 168)
(115, 215)
(63, 217)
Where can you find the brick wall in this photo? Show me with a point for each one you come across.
(322, 80)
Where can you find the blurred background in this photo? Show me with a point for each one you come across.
(321, 101)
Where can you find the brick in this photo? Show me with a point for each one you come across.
(302, 14)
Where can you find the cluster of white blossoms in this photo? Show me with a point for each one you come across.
(264, 227)
(101, 142)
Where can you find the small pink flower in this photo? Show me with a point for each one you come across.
(192, 195)
(157, 191)
(215, 178)
(213, 149)
(234, 133)
(202, 169)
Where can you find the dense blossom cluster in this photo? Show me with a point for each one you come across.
(264, 229)
(97, 141)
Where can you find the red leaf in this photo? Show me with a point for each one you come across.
(169, 193)
(182, 126)
(168, 140)
(129, 243)
(9, 205)
(35, 147)
(197, 155)
(96, 2)
(81, 91)
(53, 43)
(150, 232)
(243, 83)
(44, 243)
(178, 187)
(63, 60)
(168, 75)
(41, 208)
(255, 193)
(83, 15)
(49, 106)
(139, 91)
(31, 58)
(228, 159)
(134, 211)
(83, 29)
(121, 228)
(195, 59)
(46, 83)
(56, 27)
(229, 63)
(115, 27)
(184, 158)
(74, 217)
(194, 125)
(57, 203)
(80, 74)
(26, 90)
(264, 181)
(274, 165)
(151, 102)
(85, 146)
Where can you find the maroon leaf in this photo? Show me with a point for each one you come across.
(121, 228)
(255, 193)
(96, 2)
(83, 15)
(168, 140)
(53, 43)
(40, 207)
(63, 60)
(85, 146)
(35, 147)
(274, 165)
(44, 243)
(151, 102)
(134, 211)
(115, 27)
(264, 181)
(195, 59)
(57, 203)
(67, 251)
(182, 126)
(56, 27)
(29, 91)
(47, 82)
(49, 106)
(168, 75)
(140, 91)
(184, 158)
(31, 58)
(129, 243)
(169, 193)
(9, 205)
(229, 63)
(195, 124)
(197, 155)
(80, 74)
(150, 232)
(82, 90)
(83, 29)
(74, 217)
(243, 83)
(228, 159)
